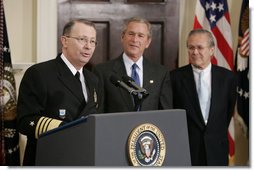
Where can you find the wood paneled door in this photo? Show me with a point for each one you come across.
(109, 16)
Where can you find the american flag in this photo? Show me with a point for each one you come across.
(9, 139)
(213, 15)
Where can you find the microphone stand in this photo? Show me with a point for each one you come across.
(138, 96)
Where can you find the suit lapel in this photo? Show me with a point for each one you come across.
(68, 80)
(91, 94)
(190, 86)
(215, 96)
(89, 82)
(119, 70)
(148, 80)
(148, 75)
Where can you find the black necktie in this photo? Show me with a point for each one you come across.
(77, 75)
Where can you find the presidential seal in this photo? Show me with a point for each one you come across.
(146, 146)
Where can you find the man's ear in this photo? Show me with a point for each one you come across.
(64, 41)
(212, 49)
(122, 35)
(149, 42)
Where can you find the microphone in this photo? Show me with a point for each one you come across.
(128, 80)
(117, 82)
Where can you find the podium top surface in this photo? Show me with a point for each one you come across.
(100, 115)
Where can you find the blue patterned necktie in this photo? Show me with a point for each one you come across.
(135, 77)
(203, 96)
(134, 74)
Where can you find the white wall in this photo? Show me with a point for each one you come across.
(46, 30)
(32, 30)
(21, 20)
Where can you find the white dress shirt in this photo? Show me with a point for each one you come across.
(207, 78)
(128, 66)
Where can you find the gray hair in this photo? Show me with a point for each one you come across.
(68, 26)
(138, 20)
(202, 31)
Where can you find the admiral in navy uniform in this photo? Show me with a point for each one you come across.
(135, 38)
(52, 93)
(208, 112)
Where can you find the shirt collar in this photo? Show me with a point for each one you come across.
(70, 66)
(128, 62)
(197, 70)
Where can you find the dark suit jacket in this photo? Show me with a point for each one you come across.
(46, 88)
(208, 143)
(156, 81)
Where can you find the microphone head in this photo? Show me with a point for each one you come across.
(127, 79)
(114, 80)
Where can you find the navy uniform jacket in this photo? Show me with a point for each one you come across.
(156, 80)
(208, 143)
(44, 90)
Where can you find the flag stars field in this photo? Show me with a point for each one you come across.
(213, 6)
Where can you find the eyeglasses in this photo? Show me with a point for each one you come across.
(84, 40)
(199, 48)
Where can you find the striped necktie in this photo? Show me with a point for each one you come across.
(134, 74)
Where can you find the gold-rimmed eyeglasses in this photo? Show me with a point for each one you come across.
(84, 40)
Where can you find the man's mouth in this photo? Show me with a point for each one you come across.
(86, 54)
